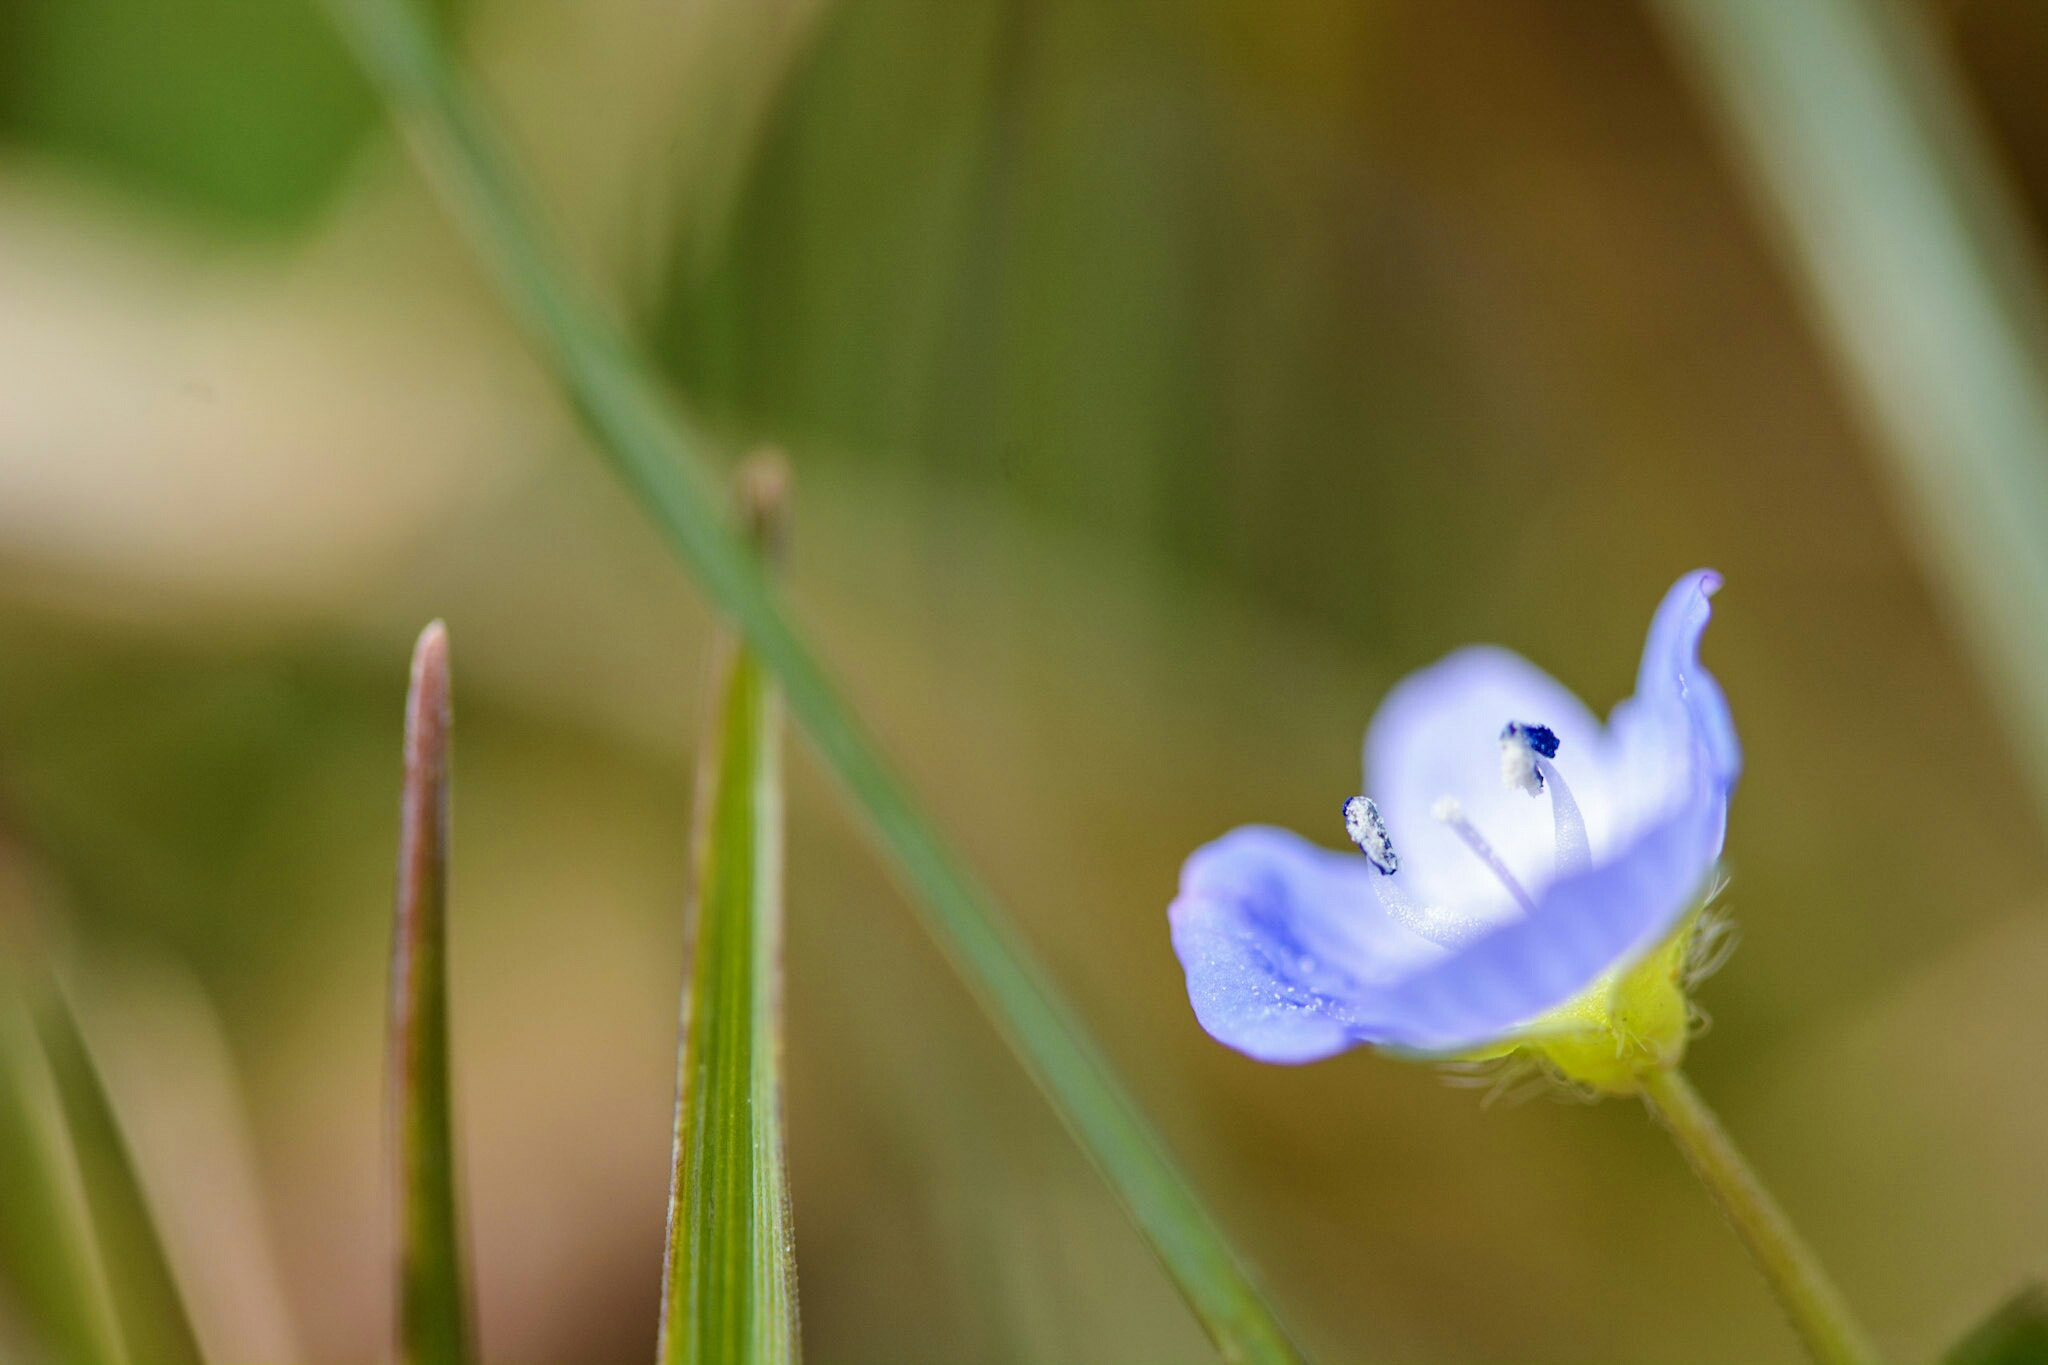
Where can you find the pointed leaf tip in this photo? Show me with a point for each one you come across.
(422, 835)
(426, 701)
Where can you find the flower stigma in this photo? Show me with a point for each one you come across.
(1368, 830)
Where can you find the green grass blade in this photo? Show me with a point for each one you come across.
(152, 1314)
(729, 1283)
(1853, 127)
(433, 1305)
(55, 1276)
(662, 462)
(2016, 1333)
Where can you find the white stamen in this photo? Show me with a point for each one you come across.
(1363, 823)
(1451, 812)
(1526, 752)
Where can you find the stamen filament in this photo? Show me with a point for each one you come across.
(1368, 829)
(1574, 850)
(1449, 811)
(1436, 926)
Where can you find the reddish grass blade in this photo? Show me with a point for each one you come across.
(433, 1304)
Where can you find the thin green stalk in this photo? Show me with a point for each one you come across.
(433, 1304)
(729, 1276)
(663, 463)
(1809, 1298)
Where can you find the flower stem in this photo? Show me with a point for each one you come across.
(1809, 1298)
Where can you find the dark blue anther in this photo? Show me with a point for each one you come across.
(1541, 738)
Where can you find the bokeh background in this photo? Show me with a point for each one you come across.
(1163, 380)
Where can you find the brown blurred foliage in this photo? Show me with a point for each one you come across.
(1162, 381)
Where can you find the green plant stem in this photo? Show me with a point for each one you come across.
(662, 461)
(1809, 1298)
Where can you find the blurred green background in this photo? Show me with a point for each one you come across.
(1163, 380)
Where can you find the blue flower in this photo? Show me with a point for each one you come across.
(1529, 877)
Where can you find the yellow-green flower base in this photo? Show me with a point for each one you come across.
(1632, 1020)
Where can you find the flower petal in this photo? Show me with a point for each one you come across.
(1583, 926)
(1438, 734)
(1279, 937)
(1678, 721)
(1671, 759)
(1289, 954)
(1671, 670)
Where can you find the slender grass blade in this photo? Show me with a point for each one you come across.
(729, 1283)
(1854, 129)
(433, 1303)
(151, 1309)
(50, 1257)
(664, 464)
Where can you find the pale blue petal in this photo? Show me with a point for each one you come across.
(1288, 960)
(1279, 937)
(1438, 734)
(1671, 676)
(1675, 732)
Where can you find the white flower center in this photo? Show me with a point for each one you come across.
(1452, 812)
(1526, 752)
(1526, 764)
